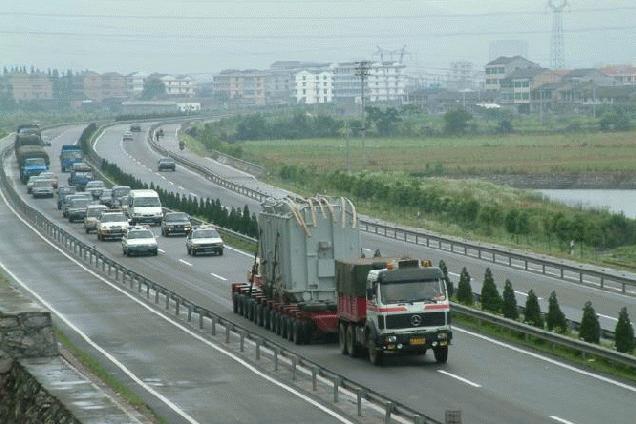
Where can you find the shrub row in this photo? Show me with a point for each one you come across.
(554, 320)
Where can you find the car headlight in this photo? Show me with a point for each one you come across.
(442, 336)
(391, 339)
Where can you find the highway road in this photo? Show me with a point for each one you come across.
(490, 381)
(180, 375)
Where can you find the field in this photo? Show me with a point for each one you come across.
(481, 155)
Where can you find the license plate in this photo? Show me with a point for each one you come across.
(418, 341)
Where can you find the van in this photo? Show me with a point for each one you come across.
(144, 206)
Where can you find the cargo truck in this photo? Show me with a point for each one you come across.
(310, 282)
(70, 154)
(81, 174)
(32, 160)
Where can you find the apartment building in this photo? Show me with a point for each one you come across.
(135, 83)
(621, 74)
(178, 86)
(516, 88)
(385, 82)
(460, 76)
(314, 86)
(245, 87)
(502, 67)
(93, 86)
(29, 86)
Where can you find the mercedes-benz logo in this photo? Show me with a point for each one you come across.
(416, 320)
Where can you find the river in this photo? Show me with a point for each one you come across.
(615, 200)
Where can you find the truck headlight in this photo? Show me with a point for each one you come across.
(442, 336)
(391, 339)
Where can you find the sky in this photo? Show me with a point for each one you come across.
(206, 36)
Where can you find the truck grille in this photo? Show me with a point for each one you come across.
(428, 319)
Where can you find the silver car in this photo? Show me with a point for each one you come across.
(92, 217)
(42, 188)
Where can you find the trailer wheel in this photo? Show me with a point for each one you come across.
(342, 338)
(375, 355)
(276, 322)
(266, 317)
(284, 321)
(258, 319)
(352, 347)
(299, 336)
(306, 332)
(250, 310)
(234, 301)
(441, 354)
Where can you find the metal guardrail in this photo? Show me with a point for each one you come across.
(554, 339)
(578, 273)
(157, 294)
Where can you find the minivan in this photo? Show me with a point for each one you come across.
(144, 206)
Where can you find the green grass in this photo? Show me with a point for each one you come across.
(96, 368)
(591, 363)
(479, 155)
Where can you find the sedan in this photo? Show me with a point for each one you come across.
(51, 176)
(31, 181)
(204, 240)
(166, 164)
(95, 188)
(139, 240)
(175, 223)
(42, 188)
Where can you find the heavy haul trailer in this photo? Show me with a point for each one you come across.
(391, 307)
(291, 289)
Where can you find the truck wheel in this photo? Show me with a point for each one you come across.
(342, 338)
(375, 356)
(258, 314)
(234, 303)
(299, 336)
(441, 354)
(277, 323)
(284, 321)
(251, 310)
(266, 318)
(352, 347)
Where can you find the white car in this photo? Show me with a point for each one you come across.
(93, 212)
(50, 176)
(128, 136)
(111, 225)
(95, 188)
(139, 240)
(31, 181)
(204, 240)
(42, 187)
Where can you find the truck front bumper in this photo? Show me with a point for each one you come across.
(416, 342)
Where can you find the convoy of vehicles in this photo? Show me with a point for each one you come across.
(76, 210)
(139, 240)
(175, 223)
(62, 192)
(166, 164)
(144, 206)
(310, 282)
(204, 239)
(70, 155)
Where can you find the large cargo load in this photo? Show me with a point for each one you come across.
(25, 129)
(27, 140)
(32, 161)
(31, 151)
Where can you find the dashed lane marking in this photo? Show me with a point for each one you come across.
(460, 378)
(218, 276)
(185, 262)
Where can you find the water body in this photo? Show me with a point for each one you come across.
(614, 200)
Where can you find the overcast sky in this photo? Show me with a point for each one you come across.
(205, 36)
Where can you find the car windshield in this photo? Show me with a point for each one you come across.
(121, 191)
(79, 203)
(47, 175)
(94, 211)
(67, 190)
(166, 161)
(35, 161)
(413, 291)
(147, 202)
(175, 217)
(113, 217)
(140, 234)
(95, 184)
(42, 183)
(206, 234)
(72, 154)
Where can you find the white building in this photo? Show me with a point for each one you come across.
(135, 83)
(460, 76)
(180, 85)
(189, 107)
(314, 86)
(386, 82)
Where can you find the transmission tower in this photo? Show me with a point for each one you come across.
(362, 70)
(557, 53)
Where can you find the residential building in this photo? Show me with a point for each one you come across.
(92, 86)
(113, 86)
(622, 74)
(508, 48)
(386, 82)
(502, 67)
(29, 86)
(588, 75)
(135, 83)
(314, 86)
(460, 76)
(280, 84)
(516, 88)
(245, 87)
(178, 86)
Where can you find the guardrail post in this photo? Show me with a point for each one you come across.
(167, 301)
(525, 264)
(623, 289)
(189, 313)
(509, 260)
(561, 269)
(360, 394)
(227, 333)
(213, 319)
(543, 268)
(242, 341)
(258, 349)
(116, 273)
(479, 253)
(147, 289)
(581, 277)
(336, 388)
(139, 280)
(176, 308)
(602, 282)
(294, 365)
(275, 359)
(418, 419)
(388, 409)
(200, 319)
(156, 295)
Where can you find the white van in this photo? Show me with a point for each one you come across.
(144, 206)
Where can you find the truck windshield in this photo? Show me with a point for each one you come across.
(413, 291)
(35, 161)
(72, 154)
(82, 174)
(147, 202)
(113, 217)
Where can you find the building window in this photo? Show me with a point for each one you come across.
(304, 91)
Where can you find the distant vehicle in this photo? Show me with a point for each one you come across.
(204, 239)
(128, 136)
(91, 219)
(76, 210)
(95, 188)
(62, 192)
(81, 174)
(117, 192)
(67, 201)
(139, 240)
(166, 164)
(111, 225)
(42, 188)
(106, 197)
(144, 206)
(135, 128)
(70, 154)
(51, 176)
(32, 161)
(175, 223)
(31, 181)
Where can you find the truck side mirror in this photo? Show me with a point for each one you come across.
(369, 294)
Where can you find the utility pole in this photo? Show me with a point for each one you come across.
(362, 71)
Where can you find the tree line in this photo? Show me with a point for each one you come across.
(505, 304)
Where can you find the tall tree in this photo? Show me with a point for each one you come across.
(464, 290)
(625, 342)
(153, 88)
(532, 314)
(456, 121)
(509, 307)
(590, 329)
(555, 319)
(449, 283)
(490, 297)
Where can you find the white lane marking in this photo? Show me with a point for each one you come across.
(181, 188)
(193, 194)
(163, 178)
(218, 276)
(460, 378)
(549, 360)
(185, 262)
(249, 255)
(179, 326)
(161, 251)
(170, 182)
(98, 348)
(561, 420)
(607, 316)
(526, 294)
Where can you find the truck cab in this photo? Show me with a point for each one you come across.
(31, 167)
(81, 174)
(70, 154)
